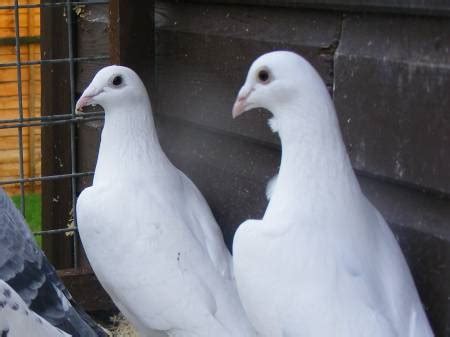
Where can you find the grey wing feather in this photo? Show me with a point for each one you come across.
(20, 259)
(26, 269)
(16, 320)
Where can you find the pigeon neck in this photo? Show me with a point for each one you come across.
(315, 169)
(129, 146)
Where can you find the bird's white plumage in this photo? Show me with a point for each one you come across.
(271, 186)
(148, 232)
(322, 262)
(17, 320)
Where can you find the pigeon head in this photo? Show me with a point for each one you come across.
(275, 80)
(112, 86)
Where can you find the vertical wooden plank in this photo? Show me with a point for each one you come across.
(55, 142)
(132, 37)
(92, 32)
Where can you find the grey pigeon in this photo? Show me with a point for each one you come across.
(17, 320)
(24, 267)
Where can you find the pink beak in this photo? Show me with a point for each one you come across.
(241, 104)
(82, 102)
(87, 98)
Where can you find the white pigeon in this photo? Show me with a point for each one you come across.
(147, 230)
(322, 262)
(17, 320)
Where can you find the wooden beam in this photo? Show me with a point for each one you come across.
(410, 7)
(56, 194)
(132, 37)
(91, 40)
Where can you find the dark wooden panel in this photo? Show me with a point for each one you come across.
(205, 61)
(430, 7)
(429, 260)
(132, 37)
(92, 41)
(92, 31)
(423, 212)
(56, 194)
(392, 97)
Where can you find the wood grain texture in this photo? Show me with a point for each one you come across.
(132, 37)
(415, 7)
(56, 194)
(205, 60)
(392, 98)
(92, 40)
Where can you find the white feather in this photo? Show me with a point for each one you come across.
(148, 232)
(322, 262)
(271, 186)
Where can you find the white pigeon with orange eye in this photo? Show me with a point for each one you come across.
(147, 230)
(322, 262)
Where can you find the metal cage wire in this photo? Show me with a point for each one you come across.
(69, 118)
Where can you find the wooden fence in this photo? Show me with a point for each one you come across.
(29, 28)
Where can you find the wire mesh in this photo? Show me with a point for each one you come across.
(67, 117)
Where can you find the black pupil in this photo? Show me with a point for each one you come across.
(263, 76)
(117, 80)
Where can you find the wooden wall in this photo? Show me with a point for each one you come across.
(29, 27)
(386, 64)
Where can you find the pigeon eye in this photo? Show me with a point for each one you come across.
(263, 76)
(117, 80)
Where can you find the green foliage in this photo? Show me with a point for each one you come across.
(33, 212)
